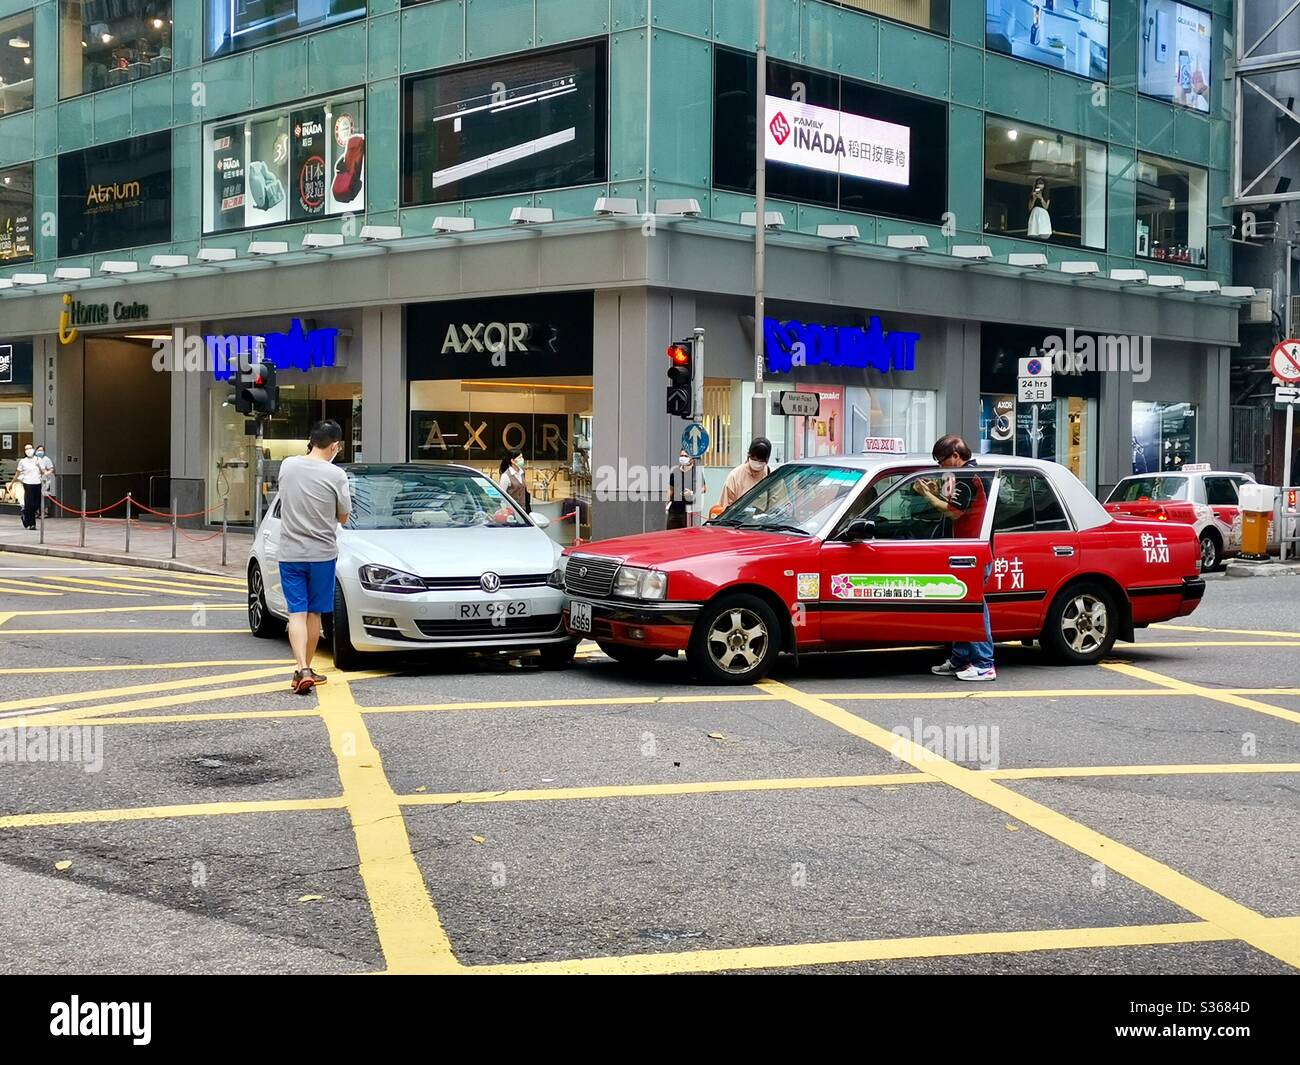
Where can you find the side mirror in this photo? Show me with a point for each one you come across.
(540, 520)
(859, 529)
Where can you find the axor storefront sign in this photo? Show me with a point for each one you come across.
(792, 345)
(524, 336)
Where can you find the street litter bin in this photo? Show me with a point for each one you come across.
(1257, 502)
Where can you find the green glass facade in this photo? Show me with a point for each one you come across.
(660, 109)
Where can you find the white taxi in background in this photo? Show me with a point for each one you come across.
(1195, 495)
(433, 557)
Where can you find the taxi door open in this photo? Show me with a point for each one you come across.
(911, 566)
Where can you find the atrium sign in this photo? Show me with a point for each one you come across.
(793, 344)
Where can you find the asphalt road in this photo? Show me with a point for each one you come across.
(166, 805)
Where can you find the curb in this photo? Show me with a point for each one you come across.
(1237, 568)
(87, 555)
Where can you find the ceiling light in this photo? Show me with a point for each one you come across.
(106, 37)
(27, 59)
(1012, 134)
(19, 41)
(157, 23)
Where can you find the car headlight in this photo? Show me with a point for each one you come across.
(387, 579)
(633, 583)
(556, 579)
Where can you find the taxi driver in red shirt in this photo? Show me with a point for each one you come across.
(962, 499)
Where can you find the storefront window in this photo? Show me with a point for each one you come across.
(16, 207)
(234, 25)
(16, 424)
(1164, 436)
(852, 415)
(929, 15)
(1172, 205)
(1041, 185)
(1069, 36)
(291, 164)
(116, 195)
(16, 68)
(111, 42)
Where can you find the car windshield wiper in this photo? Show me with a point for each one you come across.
(730, 523)
(774, 526)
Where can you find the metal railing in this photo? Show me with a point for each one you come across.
(136, 484)
(1286, 520)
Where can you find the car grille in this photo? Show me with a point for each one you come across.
(540, 625)
(464, 584)
(598, 580)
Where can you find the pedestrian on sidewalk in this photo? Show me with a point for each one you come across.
(314, 501)
(748, 473)
(47, 478)
(29, 474)
(683, 484)
(964, 502)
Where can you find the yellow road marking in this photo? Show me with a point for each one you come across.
(184, 580)
(153, 608)
(1183, 687)
(183, 719)
(22, 588)
(1236, 632)
(621, 791)
(148, 584)
(800, 954)
(988, 693)
(151, 813)
(410, 933)
(89, 715)
(1144, 644)
(140, 666)
(137, 689)
(120, 632)
(1064, 772)
(1207, 904)
(64, 590)
(121, 585)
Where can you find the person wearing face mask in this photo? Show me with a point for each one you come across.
(314, 501)
(511, 478)
(683, 484)
(748, 473)
(28, 474)
(47, 477)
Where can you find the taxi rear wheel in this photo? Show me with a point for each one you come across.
(1211, 552)
(735, 640)
(1082, 624)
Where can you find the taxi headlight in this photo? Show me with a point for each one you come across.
(633, 583)
(556, 579)
(387, 579)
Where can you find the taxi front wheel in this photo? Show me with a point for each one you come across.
(1082, 624)
(735, 640)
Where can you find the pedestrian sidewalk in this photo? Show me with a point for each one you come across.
(197, 550)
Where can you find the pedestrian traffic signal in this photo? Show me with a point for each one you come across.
(681, 359)
(258, 393)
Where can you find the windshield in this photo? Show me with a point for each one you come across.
(794, 499)
(428, 499)
(1156, 488)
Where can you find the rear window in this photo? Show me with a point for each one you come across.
(1157, 489)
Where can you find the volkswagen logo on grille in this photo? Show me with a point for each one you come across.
(489, 582)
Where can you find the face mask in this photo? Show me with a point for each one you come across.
(682, 460)
(756, 466)
(40, 453)
(28, 452)
(519, 462)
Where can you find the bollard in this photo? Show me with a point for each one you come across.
(225, 511)
(173, 526)
(41, 519)
(128, 523)
(81, 540)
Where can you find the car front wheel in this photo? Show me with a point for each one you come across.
(736, 640)
(261, 622)
(1082, 625)
(346, 657)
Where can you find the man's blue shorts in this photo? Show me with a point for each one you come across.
(308, 586)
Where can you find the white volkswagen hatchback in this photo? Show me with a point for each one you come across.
(433, 557)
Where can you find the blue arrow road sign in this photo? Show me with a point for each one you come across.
(695, 440)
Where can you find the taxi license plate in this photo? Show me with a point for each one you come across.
(517, 608)
(580, 616)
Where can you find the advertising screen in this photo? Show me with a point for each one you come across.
(234, 25)
(16, 208)
(530, 122)
(1177, 49)
(831, 140)
(1068, 35)
(116, 195)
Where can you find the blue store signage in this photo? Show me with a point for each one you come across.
(793, 344)
(297, 349)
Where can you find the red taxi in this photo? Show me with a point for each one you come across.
(843, 553)
(1199, 496)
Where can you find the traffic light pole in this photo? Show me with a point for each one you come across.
(261, 469)
(759, 416)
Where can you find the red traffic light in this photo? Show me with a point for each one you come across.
(679, 355)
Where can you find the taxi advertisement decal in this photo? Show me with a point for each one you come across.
(940, 586)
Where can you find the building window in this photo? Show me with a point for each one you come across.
(531, 122)
(1041, 185)
(116, 195)
(16, 206)
(1172, 204)
(1068, 35)
(1164, 436)
(929, 15)
(16, 63)
(235, 25)
(291, 164)
(1177, 46)
(111, 42)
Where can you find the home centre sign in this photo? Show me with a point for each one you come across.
(794, 344)
(75, 313)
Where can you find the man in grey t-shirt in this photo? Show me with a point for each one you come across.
(314, 501)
